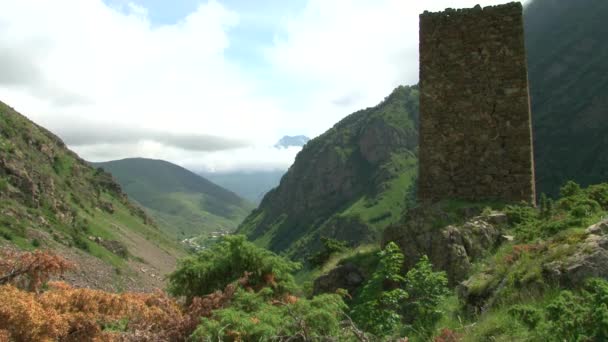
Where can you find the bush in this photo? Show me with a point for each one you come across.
(259, 317)
(426, 290)
(527, 314)
(225, 262)
(577, 208)
(571, 316)
(582, 316)
(377, 309)
(389, 301)
(570, 189)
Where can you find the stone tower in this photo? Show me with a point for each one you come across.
(475, 131)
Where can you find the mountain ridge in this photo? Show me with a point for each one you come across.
(330, 178)
(186, 204)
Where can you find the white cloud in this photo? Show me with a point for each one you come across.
(353, 52)
(91, 72)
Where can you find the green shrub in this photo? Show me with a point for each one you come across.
(390, 302)
(570, 189)
(6, 235)
(527, 314)
(81, 243)
(426, 290)
(225, 262)
(3, 184)
(257, 317)
(580, 315)
(577, 208)
(377, 309)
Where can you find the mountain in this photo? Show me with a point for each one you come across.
(287, 141)
(349, 183)
(249, 185)
(568, 72)
(184, 203)
(52, 199)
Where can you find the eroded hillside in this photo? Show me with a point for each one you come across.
(51, 199)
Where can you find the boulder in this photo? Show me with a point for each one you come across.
(589, 260)
(451, 248)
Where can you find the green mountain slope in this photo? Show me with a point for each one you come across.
(349, 183)
(568, 75)
(185, 204)
(249, 185)
(50, 198)
(568, 71)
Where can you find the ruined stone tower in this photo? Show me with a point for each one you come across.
(475, 131)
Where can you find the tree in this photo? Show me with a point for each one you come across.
(390, 301)
(225, 262)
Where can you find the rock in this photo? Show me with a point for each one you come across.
(589, 260)
(450, 248)
(598, 228)
(497, 218)
(108, 207)
(378, 141)
(347, 276)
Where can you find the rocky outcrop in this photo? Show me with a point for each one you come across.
(348, 277)
(590, 259)
(451, 248)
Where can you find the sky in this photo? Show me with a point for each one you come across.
(207, 84)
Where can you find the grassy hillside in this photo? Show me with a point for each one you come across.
(568, 71)
(183, 203)
(50, 198)
(249, 185)
(347, 184)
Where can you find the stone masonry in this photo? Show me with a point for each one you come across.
(475, 131)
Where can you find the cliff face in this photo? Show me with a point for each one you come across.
(568, 71)
(348, 183)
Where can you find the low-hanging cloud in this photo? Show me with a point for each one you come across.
(17, 69)
(78, 135)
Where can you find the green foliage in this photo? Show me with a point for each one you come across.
(577, 208)
(226, 261)
(3, 184)
(258, 317)
(530, 315)
(81, 242)
(571, 315)
(62, 165)
(378, 306)
(579, 317)
(179, 200)
(570, 189)
(330, 247)
(390, 302)
(381, 181)
(426, 290)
